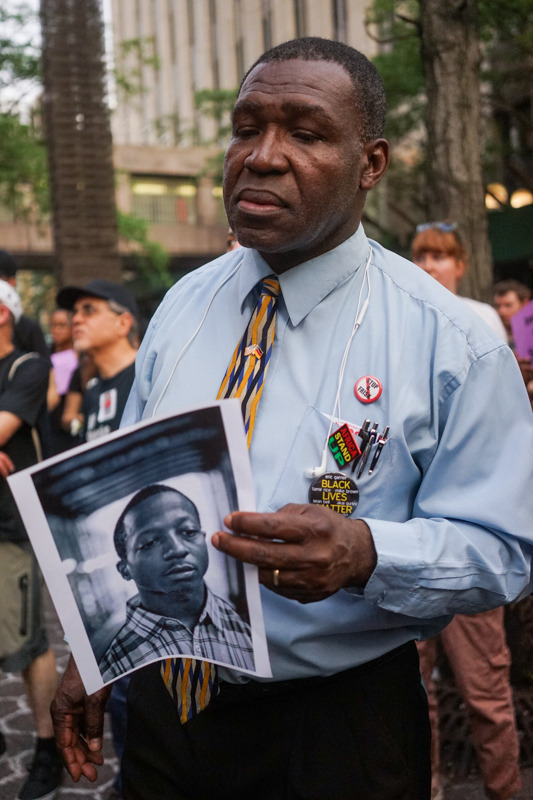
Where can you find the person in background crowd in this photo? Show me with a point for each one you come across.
(23, 387)
(105, 329)
(439, 250)
(475, 645)
(359, 333)
(72, 419)
(231, 241)
(104, 325)
(509, 297)
(27, 336)
(64, 363)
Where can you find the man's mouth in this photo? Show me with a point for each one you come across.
(252, 201)
(179, 569)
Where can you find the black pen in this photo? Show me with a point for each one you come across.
(383, 439)
(364, 435)
(368, 448)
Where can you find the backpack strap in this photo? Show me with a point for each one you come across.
(17, 362)
(10, 375)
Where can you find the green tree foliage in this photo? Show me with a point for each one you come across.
(399, 62)
(133, 56)
(217, 104)
(151, 259)
(19, 58)
(23, 169)
(507, 36)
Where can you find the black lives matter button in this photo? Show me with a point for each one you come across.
(336, 491)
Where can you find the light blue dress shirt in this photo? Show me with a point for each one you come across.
(450, 503)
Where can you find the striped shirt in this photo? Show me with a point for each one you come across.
(220, 635)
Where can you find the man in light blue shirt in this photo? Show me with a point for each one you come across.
(367, 344)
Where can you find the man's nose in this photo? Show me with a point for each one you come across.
(174, 545)
(267, 153)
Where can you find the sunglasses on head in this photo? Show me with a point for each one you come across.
(445, 227)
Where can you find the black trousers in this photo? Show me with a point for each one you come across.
(359, 735)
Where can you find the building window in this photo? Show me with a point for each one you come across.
(169, 200)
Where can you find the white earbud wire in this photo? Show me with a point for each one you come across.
(193, 337)
(336, 413)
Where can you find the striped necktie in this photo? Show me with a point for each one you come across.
(192, 683)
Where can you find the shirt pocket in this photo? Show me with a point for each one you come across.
(305, 452)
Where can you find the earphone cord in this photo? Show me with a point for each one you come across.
(195, 334)
(359, 316)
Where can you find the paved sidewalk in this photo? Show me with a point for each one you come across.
(17, 726)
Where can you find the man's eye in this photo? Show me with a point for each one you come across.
(306, 136)
(245, 132)
(189, 532)
(146, 544)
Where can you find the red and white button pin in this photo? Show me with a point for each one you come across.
(368, 389)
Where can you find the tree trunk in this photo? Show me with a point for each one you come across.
(78, 137)
(450, 50)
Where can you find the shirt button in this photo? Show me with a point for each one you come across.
(197, 648)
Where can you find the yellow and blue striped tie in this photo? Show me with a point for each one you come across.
(192, 683)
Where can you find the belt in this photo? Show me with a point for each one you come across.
(265, 689)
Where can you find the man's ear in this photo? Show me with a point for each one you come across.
(5, 314)
(125, 321)
(375, 162)
(124, 569)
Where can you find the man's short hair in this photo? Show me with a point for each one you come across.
(120, 535)
(523, 292)
(370, 99)
(8, 265)
(133, 333)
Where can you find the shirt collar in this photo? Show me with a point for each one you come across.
(135, 612)
(303, 287)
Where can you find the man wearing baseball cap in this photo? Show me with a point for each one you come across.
(104, 325)
(23, 387)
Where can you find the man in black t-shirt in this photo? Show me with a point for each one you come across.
(104, 401)
(104, 325)
(23, 387)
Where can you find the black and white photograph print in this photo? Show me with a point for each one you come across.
(122, 531)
